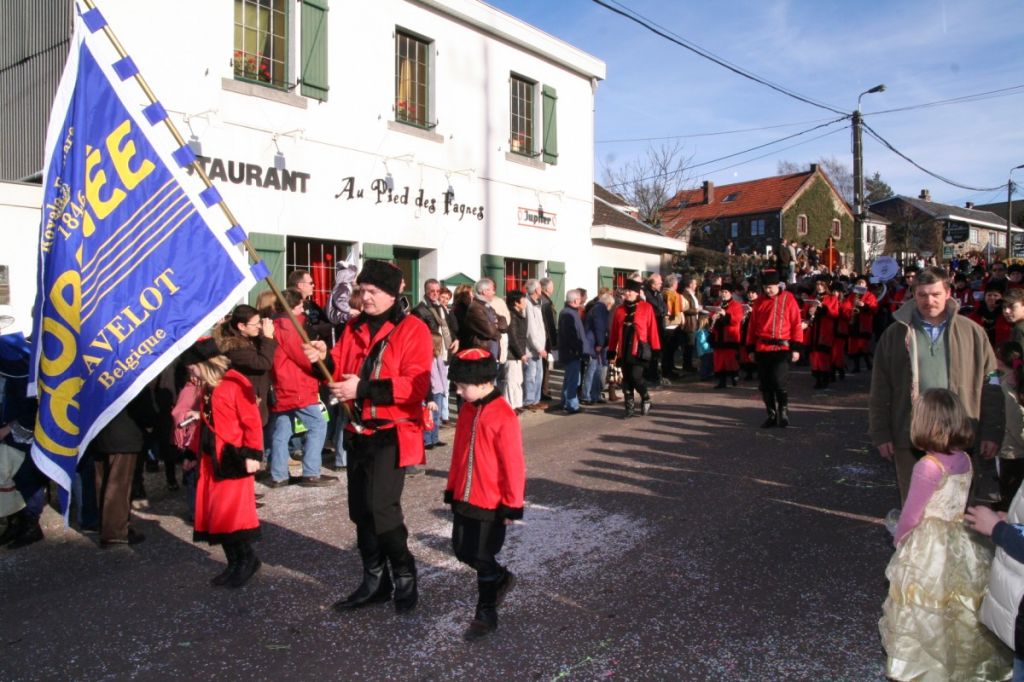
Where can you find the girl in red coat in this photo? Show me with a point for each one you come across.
(485, 483)
(631, 343)
(725, 336)
(229, 448)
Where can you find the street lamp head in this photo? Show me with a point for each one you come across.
(878, 88)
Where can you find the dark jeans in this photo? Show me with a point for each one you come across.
(686, 341)
(375, 481)
(476, 543)
(31, 483)
(670, 341)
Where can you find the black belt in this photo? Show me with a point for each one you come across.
(775, 342)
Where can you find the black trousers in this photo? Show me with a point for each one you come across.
(375, 481)
(633, 379)
(476, 544)
(1011, 473)
(773, 370)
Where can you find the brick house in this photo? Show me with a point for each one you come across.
(758, 214)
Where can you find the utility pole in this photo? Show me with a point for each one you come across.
(1009, 212)
(860, 211)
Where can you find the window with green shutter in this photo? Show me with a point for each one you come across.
(313, 44)
(261, 42)
(550, 99)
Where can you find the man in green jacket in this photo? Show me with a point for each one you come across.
(930, 346)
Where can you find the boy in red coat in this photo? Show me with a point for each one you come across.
(485, 483)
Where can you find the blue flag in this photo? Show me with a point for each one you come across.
(130, 270)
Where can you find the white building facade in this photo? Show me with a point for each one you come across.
(445, 135)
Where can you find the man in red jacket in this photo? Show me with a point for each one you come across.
(382, 372)
(773, 328)
(632, 343)
(725, 335)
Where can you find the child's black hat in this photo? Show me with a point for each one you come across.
(473, 366)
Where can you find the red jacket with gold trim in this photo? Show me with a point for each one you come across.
(392, 390)
(774, 323)
(487, 478)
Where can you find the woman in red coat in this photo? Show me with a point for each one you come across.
(228, 447)
(726, 335)
(632, 343)
(821, 312)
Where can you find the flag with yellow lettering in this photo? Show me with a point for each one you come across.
(131, 269)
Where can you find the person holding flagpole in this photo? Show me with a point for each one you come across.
(382, 372)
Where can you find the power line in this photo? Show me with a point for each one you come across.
(721, 132)
(696, 49)
(774, 151)
(735, 154)
(991, 94)
(921, 168)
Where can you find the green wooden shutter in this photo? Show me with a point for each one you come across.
(550, 125)
(270, 247)
(494, 267)
(378, 252)
(605, 277)
(313, 45)
(556, 272)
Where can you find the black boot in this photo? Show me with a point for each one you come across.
(248, 564)
(735, 378)
(782, 399)
(842, 373)
(394, 544)
(485, 621)
(15, 524)
(29, 532)
(867, 361)
(645, 405)
(376, 586)
(630, 405)
(232, 555)
(721, 380)
(769, 403)
(856, 365)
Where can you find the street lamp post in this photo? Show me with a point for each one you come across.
(1009, 212)
(859, 210)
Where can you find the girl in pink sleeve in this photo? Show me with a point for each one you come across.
(938, 575)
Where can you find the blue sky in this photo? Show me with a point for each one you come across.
(922, 50)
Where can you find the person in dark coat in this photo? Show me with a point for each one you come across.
(17, 422)
(595, 344)
(653, 295)
(248, 342)
(518, 353)
(115, 449)
(570, 350)
(547, 311)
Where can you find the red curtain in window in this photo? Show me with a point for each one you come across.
(322, 272)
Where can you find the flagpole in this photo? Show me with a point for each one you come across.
(197, 167)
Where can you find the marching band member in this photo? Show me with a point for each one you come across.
(773, 329)
(725, 334)
(862, 306)
(819, 324)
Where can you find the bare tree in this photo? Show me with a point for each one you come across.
(837, 171)
(651, 180)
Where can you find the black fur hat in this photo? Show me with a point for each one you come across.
(633, 285)
(770, 277)
(382, 275)
(473, 366)
(201, 351)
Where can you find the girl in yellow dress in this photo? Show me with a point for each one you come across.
(938, 575)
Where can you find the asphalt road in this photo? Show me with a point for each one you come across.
(686, 545)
